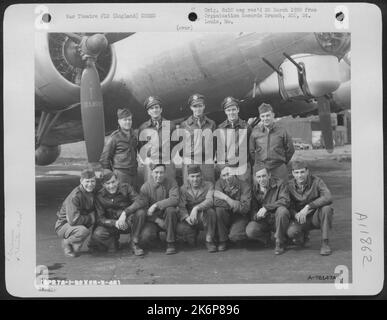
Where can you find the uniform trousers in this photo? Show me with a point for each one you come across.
(321, 218)
(206, 220)
(73, 235)
(104, 236)
(151, 229)
(277, 221)
(230, 226)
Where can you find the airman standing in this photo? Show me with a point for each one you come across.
(157, 132)
(120, 150)
(234, 140)
(200, 128)
(270, 144)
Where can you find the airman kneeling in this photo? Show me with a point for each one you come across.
(310, 206)
(196, 209)
(76, 217)
(270, 202)
(117, 213)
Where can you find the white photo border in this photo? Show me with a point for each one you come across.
(20, 23)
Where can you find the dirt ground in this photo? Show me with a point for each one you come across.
(246, 263)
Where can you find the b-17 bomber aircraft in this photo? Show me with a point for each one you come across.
(81, 79)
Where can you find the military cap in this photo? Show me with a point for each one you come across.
(87, 173)
(107, 175)
(151, 101)
(195, 99)
(123, 113)
(259, 166)
(193, 168)
(299, 164)
(265, 107)
(155, 165)
(229, 102)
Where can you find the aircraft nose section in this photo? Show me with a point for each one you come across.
(336, 43)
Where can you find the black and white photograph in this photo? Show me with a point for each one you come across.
(194, 158)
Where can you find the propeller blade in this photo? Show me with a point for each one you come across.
(73, 36)
(117, 36)
(324, 112)
(93, 122)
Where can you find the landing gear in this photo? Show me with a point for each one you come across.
(46, 121)
(302, 77)
(45, 154)
(324, 112)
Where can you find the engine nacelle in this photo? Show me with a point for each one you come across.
(321, 76)
(58, 69)
(45, 155)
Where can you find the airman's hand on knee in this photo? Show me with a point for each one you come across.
(152, 209)
(121, 224)
(234, 204)
(118, 224)
(301, 217)
(188, 220)
(194, 215)
(261, 214)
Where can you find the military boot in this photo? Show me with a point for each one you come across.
(279, 248)
(325, 248)
(171, 248)
(68, 250)
(211, 247)
(137, 251)
(222, 246)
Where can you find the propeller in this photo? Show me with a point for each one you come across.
(324, 112)
(92, 112)
(114, 37)
(89, 47)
